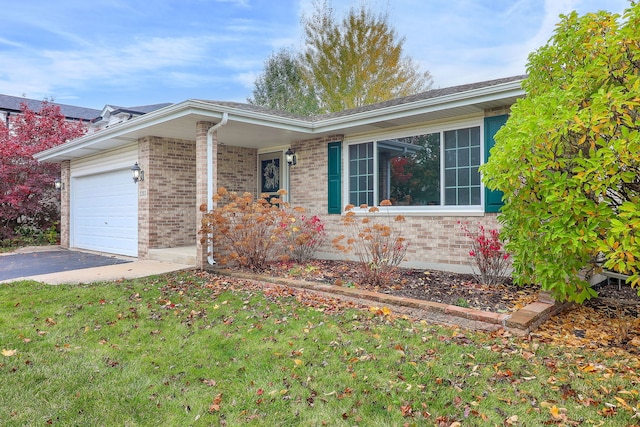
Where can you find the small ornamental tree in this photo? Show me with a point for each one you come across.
(375, 240)
(568, 158)
(27, 196)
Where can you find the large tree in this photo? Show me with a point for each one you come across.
(344, 64)
(281, 86)
(357, 61)
(568, 158)
(27, 195)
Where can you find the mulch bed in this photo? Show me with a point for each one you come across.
(430, 285)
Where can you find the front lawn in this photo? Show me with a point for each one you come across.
(197, 349)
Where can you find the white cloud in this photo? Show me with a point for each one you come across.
(218, 47)
(11, 43)
(247, 79)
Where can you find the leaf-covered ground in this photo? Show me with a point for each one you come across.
(194, 348)
(608, 322)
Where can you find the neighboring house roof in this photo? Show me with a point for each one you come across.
(13, 104)
(112, 114)
(144, 109)
(258, 127)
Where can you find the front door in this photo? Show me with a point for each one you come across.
(272, 173)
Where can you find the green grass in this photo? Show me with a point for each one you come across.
(183, 350)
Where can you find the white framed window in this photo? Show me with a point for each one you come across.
(424, 170)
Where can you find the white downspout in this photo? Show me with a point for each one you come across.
(210, 176)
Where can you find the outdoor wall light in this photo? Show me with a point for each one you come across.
(137, 173)
(57, 184)
(291, 156)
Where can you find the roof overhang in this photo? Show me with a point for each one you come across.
(260, 129)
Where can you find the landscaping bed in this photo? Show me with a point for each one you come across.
(430, 285)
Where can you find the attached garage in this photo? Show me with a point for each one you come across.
(104, 204)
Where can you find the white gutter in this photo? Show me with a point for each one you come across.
(212, 181)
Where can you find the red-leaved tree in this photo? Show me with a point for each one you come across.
(27, 196)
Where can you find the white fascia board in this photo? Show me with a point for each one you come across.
(254, 117)
(190, 107)
(468, 98)
(334, 124)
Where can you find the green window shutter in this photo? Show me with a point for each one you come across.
(334, 194)
(492, 199)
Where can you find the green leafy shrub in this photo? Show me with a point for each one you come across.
(568, 158)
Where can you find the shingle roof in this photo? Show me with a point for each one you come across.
(430, 94)
(255, 108)
(13, 104)
(144, 109)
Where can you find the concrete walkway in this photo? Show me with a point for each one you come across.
(132, 269)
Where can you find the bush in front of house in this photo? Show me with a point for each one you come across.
(243, 230)
(488, 259)
(300, 234)
(375, 239)
(251, 232)
(568, 158)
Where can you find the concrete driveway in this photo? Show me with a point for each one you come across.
(54, 265)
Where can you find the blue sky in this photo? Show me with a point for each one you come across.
(130, 53)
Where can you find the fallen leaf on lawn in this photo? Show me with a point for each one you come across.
(608, 411)
(512, 420)
(623, 403)
(215, 405)
(406, 410)
(50, 321)
(9, 353)
(558, 413)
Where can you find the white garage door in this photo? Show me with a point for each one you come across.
(105, 213)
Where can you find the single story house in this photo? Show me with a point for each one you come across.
(422, 152)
